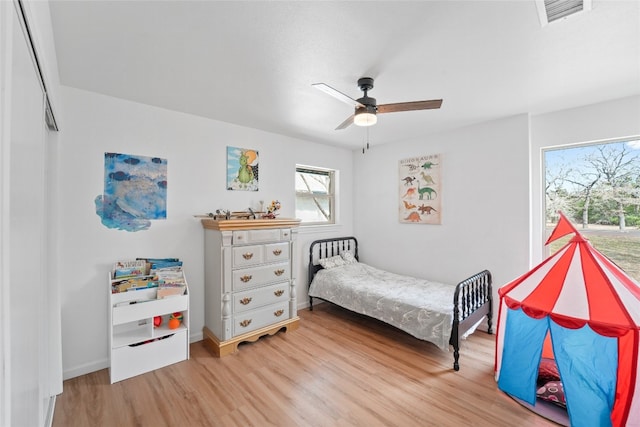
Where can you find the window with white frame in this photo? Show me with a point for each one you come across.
(597, 187)
(315, 195)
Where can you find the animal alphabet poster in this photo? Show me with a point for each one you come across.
(242, 169)
(420, 182)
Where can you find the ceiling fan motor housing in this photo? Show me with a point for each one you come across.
(369, 104)
(365, 83)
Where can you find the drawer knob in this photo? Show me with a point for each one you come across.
(247, 255)
(279, 292)
(278, 313)
(245, 300)
(277, 252)
(245, 278)
(245, 323)
(279, 272)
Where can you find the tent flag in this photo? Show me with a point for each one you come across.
(563, 228)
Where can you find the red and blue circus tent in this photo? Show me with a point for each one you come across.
(590, 308)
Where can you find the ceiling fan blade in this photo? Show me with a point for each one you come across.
(337, 94)
(346, 123)
(410, 106)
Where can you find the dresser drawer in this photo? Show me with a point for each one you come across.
(242, 237)
(248, 300)
(255, 319)
(276, 252)
(285, 234)
(245, 256)
(251, 277)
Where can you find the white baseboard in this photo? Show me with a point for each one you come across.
(196, 337)
(85, 369)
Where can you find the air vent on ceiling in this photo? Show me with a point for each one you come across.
(553, 10)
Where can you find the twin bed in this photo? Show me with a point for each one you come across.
(439, 313)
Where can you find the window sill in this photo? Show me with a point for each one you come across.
(318, 228)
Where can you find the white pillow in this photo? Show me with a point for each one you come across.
(334, 261)
(349, 258)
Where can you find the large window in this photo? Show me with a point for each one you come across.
(315, 195)
(597, 187)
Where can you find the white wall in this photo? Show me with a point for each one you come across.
(196, 152)
(598, 122)
(489, 213)
(485, 207)
(492, 193)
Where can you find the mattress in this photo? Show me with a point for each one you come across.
(419, 307)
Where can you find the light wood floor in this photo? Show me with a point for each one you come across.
(337, 369)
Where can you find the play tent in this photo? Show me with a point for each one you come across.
(591, 310)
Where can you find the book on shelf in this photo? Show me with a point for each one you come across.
(158, 263)
(132, 268)
(170, 276)
(139, 274)
(165, 291)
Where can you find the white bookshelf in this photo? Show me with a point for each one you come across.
(135, 345)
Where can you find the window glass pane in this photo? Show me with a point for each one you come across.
(310, 209)
(315, 183)
(597, 187)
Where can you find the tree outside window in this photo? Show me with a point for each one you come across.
(597, 186)
(315, 195)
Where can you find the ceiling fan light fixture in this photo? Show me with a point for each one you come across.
(365, 117)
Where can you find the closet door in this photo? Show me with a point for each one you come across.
(27, 339)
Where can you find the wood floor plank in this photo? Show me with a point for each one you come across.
(337, 369)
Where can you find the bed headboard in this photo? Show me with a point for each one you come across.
(327, 248)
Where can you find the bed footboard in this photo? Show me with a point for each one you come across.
(471, 301)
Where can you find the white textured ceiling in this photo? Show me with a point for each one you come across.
(252, 63)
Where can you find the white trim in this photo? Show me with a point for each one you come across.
(195, 336)
(318, 228)
(6, 42)
(48, 421)
(85, 368)
(586, 143)
(24, 17)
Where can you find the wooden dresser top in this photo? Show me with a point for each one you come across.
(248, 224)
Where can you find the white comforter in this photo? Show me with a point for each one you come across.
(419, 307)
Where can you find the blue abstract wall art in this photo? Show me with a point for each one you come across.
(135, 191)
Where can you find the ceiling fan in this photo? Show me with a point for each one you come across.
(366, 109)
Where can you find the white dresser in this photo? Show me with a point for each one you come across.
(249, 280)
